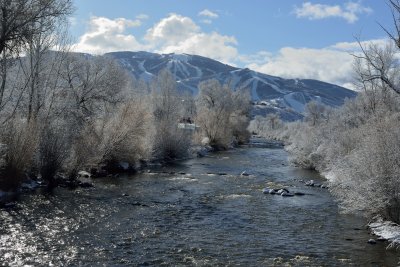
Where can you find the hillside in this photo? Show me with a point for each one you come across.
(287, 97)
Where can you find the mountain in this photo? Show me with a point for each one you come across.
(287, 97)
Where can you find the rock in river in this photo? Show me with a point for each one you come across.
(244, 173)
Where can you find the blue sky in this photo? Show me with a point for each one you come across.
(291, 38)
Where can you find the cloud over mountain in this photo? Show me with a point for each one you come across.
(181, 34)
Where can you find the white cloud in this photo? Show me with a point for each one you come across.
(213, 45)
(208, 13)
(258, 59)
(106, 35)
(180, 34)
(172, 29)
(355, 46)
(349, 11)
(142, 16)
(332, 64)
(206, 21)
(172, 34)
(325, 64)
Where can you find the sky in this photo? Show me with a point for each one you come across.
(292, 39)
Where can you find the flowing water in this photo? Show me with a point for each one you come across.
(198, 212)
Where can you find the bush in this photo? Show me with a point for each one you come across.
(19, 142)
(223, 115)
(54, 149)
(358, 149)
(170, 142)
(118, 137)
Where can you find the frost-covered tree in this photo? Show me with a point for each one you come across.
(93, 83)
(169, 142)
(26, 26)
(221, 113)
(314, 112)
(22, 21)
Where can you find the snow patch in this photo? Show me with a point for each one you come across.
(254, 94)
(387, 230)
(292, 102)
(145, 75)
(181, 57)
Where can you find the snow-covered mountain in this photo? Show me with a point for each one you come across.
(269, 93)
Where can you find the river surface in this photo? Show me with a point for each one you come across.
(203, 214)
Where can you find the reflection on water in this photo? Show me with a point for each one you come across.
(203, 214)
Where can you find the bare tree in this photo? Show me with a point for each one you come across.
(273, 121)
(380, 63)
(20, 20)
(169, 141)
(221, 113)
(314, 112)
(24, 20)
(94, 84)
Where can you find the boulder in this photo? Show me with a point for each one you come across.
(371, 241)
(84, 174)
(282, 190)
(269, 191)
(244, 173)
(310, 183)
(285, 194)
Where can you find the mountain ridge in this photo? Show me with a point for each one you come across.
(287, 97)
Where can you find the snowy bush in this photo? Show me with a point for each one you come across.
(222, 114)
(19, 142)
(168, 141)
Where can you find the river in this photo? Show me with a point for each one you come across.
(198, 212)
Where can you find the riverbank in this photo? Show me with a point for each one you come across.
(84, 178)
(383, 230)
(386, 230)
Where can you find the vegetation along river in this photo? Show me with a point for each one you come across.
(197, 212)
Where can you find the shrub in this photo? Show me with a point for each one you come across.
(223, 115)
(118, 137)
(53, 150)
(19, 141)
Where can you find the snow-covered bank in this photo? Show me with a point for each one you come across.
(386, 230)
